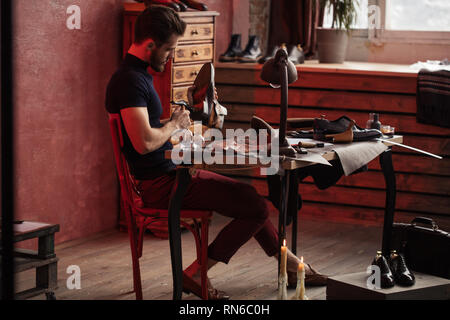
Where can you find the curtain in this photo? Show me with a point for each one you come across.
(294, 22)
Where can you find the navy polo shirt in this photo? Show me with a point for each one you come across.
(132, 86)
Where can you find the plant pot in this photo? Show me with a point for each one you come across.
(332, 45)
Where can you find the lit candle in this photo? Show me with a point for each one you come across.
(282, 279)
(283, 261)
(300, 291)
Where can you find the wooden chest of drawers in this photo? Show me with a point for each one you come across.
(194, 49)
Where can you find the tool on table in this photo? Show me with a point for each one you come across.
(410, 148)
(307, 144)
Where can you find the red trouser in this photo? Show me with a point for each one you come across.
(229, 197)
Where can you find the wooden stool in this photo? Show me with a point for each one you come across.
(44, 260)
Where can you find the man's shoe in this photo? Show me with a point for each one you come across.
(191, 286)
(234, 50)
(195, 5)
(323, 129)
(167, 3)
(402, 275)
(182, 6)
(252, 52)
(270, 54)
(314, 279)
(296, 54)
(387, 278)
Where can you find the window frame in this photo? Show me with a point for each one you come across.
(382, 35)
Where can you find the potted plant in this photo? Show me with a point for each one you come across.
(332, 42)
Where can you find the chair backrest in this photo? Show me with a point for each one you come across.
(127, 185)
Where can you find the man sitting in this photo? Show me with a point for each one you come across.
(131, 94)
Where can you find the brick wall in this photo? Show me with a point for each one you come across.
(259, 20)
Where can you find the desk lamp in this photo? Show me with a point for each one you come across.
(280, 72)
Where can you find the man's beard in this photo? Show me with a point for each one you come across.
(157, 65)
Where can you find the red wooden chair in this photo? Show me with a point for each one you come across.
(139, 217)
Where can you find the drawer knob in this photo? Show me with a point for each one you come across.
(195, 53)
(194, 73)
(194, 32)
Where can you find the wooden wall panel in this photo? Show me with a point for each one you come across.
(404, 124)
(423, 185)
(325, 98)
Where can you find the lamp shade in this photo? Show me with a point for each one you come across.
(271, 71)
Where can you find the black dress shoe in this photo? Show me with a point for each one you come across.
(387, 278)
(402, 275)
(234, 49)
(195, 5)
(270, 54)
(167, 3)
(191, 286)
(296, 54)
(182, 6)
(324, 128)
(252, 52)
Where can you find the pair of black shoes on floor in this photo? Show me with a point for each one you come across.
(251, 53)
(393, 270)
(295, 54)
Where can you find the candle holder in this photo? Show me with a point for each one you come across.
(300, 290)
(282, 287)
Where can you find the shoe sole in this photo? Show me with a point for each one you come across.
(223, 59)
(248, 60)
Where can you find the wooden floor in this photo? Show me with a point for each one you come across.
(332, 248)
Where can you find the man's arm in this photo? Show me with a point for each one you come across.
(146, 139)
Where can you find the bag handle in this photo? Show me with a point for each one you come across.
(426, 221)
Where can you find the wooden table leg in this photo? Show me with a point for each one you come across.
(47, 276)
(293, 207)
(282, 216)
(182, 181)
(389, 211)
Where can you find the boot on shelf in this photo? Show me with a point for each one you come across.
(167, 3)
(296, 54)
(252, 52)
(195, 5)
(183, 7)
(270, 54)
(234, 50)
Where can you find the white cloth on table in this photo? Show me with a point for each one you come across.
(357, 154)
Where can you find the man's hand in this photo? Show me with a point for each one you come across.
(180, 117)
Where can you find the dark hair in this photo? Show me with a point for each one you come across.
(158, 23)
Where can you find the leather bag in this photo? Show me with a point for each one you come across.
(426, 247)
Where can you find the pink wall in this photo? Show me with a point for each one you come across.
(224, 22)
(64, 160)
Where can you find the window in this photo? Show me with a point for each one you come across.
(422, 21)
(418, 15)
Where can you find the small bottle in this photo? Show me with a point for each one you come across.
(376, 124)
(370, 121)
